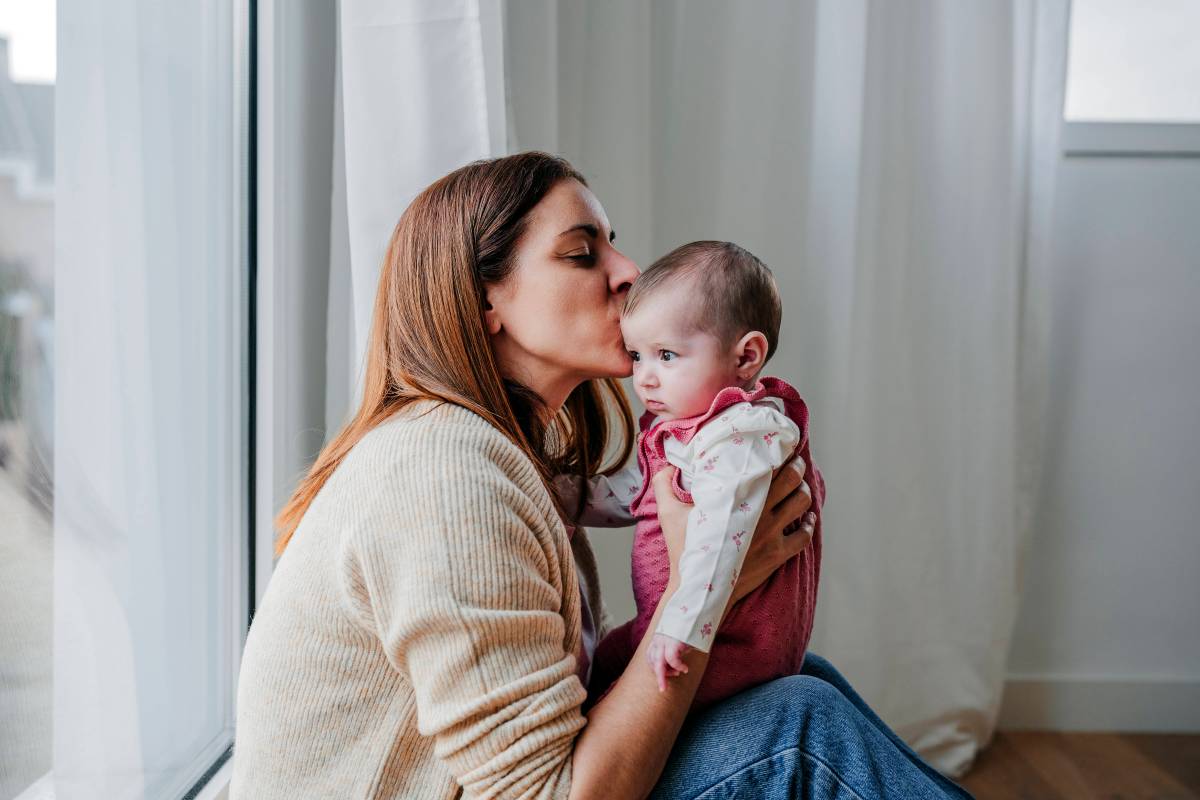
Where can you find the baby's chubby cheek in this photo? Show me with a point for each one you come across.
(687, 393)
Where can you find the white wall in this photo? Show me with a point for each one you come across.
(1108, 635)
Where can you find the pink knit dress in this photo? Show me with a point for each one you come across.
(765, 635)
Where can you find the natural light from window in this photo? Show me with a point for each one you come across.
(1134, 61)
(27, 291)
(29, 27)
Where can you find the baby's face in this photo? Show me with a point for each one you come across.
(677, 370)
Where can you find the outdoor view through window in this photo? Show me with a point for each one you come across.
(27, 61)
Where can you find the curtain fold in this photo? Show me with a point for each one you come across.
(415, 100)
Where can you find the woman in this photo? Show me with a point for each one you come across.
(429, 625)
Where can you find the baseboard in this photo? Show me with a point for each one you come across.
(1167, 705)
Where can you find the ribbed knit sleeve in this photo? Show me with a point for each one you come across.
(456, 572)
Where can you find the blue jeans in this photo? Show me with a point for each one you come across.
(807, 736)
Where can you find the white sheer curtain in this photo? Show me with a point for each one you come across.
(889, 161)
(420, 93)
(934, 384)
(150, 385)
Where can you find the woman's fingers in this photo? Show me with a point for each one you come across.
(785, 481)
(661, 483)
(664, 496)
(797, 541)
(794, 505)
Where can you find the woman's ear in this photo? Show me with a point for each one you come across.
(491, 317)
(751, 352)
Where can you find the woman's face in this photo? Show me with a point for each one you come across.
(555, 320)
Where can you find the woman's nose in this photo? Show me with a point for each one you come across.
(622, 273)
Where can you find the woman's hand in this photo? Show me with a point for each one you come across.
(787, 501)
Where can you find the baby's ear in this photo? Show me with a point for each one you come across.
(751, 352)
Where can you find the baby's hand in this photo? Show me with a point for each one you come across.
(666, 658)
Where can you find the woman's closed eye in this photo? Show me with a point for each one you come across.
(586, 257)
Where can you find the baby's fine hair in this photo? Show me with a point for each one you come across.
(735, 292)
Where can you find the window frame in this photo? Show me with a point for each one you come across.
(216, 760)
(277, 219)
(1131, 139)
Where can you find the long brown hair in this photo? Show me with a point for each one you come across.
(428, 339)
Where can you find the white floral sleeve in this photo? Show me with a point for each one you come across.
(732, 460)
(609, 497)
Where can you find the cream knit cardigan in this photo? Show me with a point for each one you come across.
(419, 635)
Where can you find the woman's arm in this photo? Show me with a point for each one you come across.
(456, 573)
(630, 732)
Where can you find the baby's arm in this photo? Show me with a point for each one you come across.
(731, 477)
(609, 497)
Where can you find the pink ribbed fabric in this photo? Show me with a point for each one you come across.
(765, 635)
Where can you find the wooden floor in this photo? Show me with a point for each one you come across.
(1081, 766)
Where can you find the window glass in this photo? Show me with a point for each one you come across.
(27, 177)
(1134, 61)
(124, 380)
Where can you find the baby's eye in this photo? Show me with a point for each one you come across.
(667, 355)
(634, 355)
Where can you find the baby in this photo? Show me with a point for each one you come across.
(700, 324)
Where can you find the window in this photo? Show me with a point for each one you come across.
(125, 392)
(27, 178)
(1133, 77)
